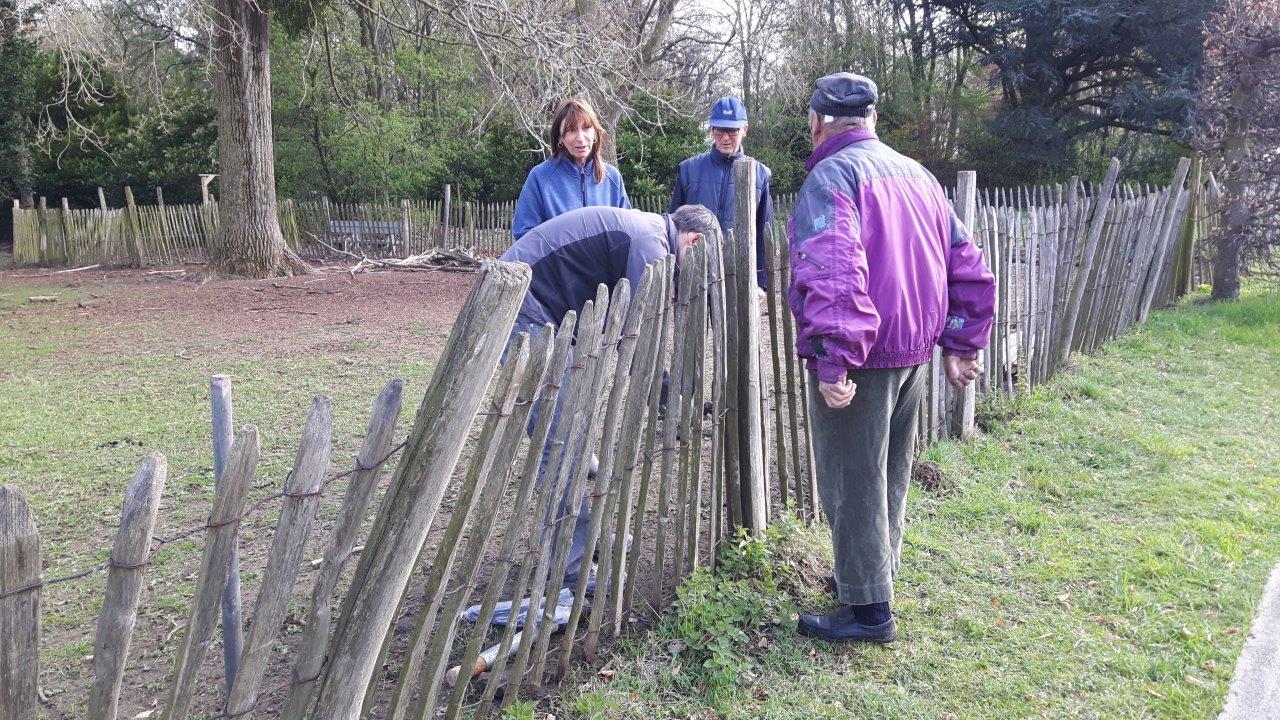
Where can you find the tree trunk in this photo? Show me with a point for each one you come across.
(1239, 213)
(250, 242)
(1231, 236)
(26, 193)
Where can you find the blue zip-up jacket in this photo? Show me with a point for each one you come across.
(557, 185)
(707, 180)
(575, 252)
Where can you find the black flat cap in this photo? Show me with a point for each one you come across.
(843, 95)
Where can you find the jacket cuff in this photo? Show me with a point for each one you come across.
(830, 372)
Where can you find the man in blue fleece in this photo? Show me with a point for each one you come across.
(707, 179)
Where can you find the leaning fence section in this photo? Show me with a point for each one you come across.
(487, 581)
(660, 418)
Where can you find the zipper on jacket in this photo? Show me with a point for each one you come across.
(803, 256)
(582, 183)
(725, 177)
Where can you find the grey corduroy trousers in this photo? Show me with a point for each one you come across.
(863, 455)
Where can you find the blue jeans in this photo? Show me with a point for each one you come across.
(582, 523)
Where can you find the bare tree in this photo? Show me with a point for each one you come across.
(1240, 107)
(755, 27)
(535, 54)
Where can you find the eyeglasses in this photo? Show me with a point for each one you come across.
(726, 132)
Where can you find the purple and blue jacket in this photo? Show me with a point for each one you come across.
(882, 269)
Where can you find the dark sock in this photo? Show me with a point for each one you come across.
(873, 614)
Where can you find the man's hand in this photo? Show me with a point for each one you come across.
(763, 298)
(960, 371)
(839, 394)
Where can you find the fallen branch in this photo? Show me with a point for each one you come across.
(281, 309)
(451, 260)
(61, 272)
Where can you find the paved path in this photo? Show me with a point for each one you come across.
(1255, 689)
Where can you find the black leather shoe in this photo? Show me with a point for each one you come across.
(840, 626)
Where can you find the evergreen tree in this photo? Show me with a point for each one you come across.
(1066, 69)
(18, 56)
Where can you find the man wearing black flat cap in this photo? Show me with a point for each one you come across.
(882, 271)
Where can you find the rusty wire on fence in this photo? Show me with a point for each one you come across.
(158, 542)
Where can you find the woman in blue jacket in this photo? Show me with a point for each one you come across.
(574, 176)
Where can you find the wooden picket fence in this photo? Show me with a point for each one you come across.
(1074, 268)
(165, 234)
(660, 484)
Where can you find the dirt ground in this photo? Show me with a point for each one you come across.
(282, 316)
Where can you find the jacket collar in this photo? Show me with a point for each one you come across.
(721, 158)
(672, 244)
(836, 143)
(567, 164)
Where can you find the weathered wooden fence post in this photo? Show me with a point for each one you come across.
(444, 223)
(469, 218)
(139, 256)
(326, 217)
(960, 414)
(301, 498)
(777, 388)
(376, 444)
(104, 233)
(166, 229)
(745, 349)
(19, 607)
(1186, 248)
(718, 317)
(68, 231)
(406, 228)
(457, 388)
(129, 557)
(43, 215)
(205, 179)
(223, 526)
(1101, 202)
(232, 617)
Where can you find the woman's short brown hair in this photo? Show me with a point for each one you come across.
(572, 114)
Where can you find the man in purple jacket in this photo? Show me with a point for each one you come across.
(882, 270)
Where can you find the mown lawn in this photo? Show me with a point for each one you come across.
(1097, 553)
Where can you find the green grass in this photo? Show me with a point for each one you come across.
(1098, 553)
